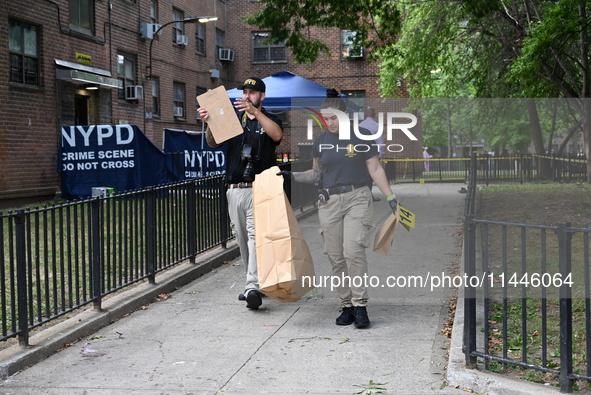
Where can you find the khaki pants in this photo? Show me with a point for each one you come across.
(242, 222)
(345, 225)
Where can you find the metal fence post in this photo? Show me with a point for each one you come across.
(151, 235)
(96, 252)
(192, 219)
(469, 292)
(21, 278)
(223, 212)
(566, 309)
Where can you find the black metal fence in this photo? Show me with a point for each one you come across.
(55, 259)
(527, 296)
(511, 168)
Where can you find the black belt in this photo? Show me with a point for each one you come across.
(240, 185)
(343, 189)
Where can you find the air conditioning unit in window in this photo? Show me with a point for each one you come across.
(226, 54)
(355, 52)
(182, 40)
(134, 92)
(178, 112)
(148, 30)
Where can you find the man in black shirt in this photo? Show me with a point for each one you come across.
(248, 154)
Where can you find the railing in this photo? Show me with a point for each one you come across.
(58, 258)
(528, 294)
(511, 168)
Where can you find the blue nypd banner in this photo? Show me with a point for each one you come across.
(189, 156)
(115, 156)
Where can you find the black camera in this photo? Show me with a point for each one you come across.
(249, 160)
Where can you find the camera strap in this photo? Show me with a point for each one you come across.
(255, 134)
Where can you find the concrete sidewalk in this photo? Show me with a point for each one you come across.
(199, 339)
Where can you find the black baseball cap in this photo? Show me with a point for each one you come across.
(253, 83)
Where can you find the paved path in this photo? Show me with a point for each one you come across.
(202, 340)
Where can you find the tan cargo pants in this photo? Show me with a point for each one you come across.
(345, 225)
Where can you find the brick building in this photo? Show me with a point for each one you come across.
(84, 62)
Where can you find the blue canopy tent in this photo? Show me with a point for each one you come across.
(284, 87)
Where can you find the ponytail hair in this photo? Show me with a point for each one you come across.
(333, 100)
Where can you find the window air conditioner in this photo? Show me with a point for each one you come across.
(178, 112)
(355, 52)
(134, 92)
(182, 40)
(226, 54)
(148, 30)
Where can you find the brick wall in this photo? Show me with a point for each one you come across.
(31, 118)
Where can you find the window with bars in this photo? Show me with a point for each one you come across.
(199, 91)
(263, 52)
(153, 11)
(178, 96)
(200, 38)
(357, 97)
(82, 15)
(125, 71)
(178, 28)
(220, 42)
(155, 96)
(23, 46)
(349, 48)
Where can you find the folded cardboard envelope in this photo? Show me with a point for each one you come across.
(222, 122)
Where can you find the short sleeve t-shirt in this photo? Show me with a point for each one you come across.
(343, 161)
(262, 148)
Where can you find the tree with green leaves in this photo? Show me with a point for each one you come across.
(458, 48)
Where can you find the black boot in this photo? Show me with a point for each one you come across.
(347, 316)
(361, 318)
(253, 299)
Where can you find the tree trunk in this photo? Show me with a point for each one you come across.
(536, 131)
(586, 91)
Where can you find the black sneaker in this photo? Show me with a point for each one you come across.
(347, 316)
(361, 318)
(241, 297)
(253, 299)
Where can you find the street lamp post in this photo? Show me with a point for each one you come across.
(201, 19)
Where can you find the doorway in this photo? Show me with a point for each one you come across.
(80, 110)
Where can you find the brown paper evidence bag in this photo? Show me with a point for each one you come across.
(385, 236)
(283, 256)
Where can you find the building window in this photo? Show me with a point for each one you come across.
(264, 52)
(178, 29)
(155, 96)
(220, 42)
(126, 71)
(23, 45)
(350, 50)
(82, 15)
(200, 39)
(153, 12)
(198, 92)
(178, 99)
(355, 100)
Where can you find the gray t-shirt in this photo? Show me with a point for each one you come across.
(343, 161)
